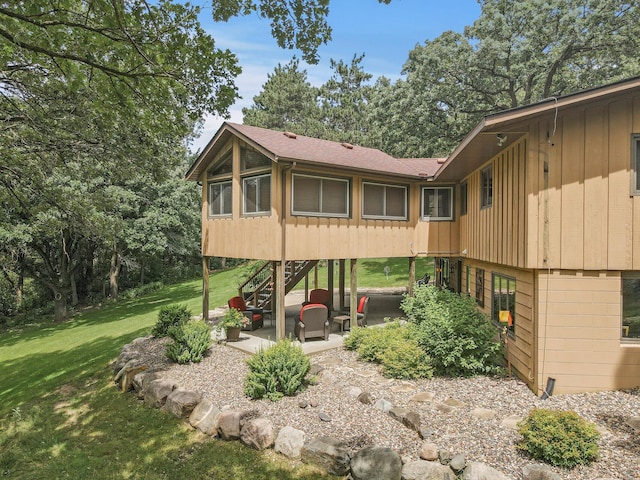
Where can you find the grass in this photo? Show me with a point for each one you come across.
(61, 416)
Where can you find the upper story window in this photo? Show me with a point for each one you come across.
(486, 187)
(220, 199)
(256, 195)
(224, 167)
(384, 201)
(631, 307)
(252, 159)
(635, 164)
(503, 296)
(437, 203)
(320, 196)
(464, 188)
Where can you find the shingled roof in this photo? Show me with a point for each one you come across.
(285, 146)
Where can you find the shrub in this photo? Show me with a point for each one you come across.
(169, 316)
(405, 359)
(190, 341)
(562, 439)
(458, 337)
(377, 340)
(276, 371)
(355, 338)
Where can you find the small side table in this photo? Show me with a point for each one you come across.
(342, 319)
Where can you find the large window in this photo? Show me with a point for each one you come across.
(257, 195)
(464, 188)
(635, 164)
(503, 297)
(220, 198)
(486, 187)
(222, 167)
(320, 196)
(437, 203)
(384, 201)
(631, 307)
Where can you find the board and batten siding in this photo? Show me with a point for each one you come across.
(579, 332)
(581, 215)
(497, 234)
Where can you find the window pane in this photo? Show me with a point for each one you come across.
(226, 198)
(252, 159)
(223, 167)
(504, 301)
(264, 204)
(396, 202)
(250, 195)
(637, 163)
(306, 194)
(373, 200)
(631, 307)
(430, 203)
(334, 196)
(444, 203)
(463, 198)
(220, 198)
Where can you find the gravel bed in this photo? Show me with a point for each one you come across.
(220, 378)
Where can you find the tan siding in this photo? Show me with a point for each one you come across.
(580, 325)
(636, 199)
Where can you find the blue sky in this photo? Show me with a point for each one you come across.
(384, 33)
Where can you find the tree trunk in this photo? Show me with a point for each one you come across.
(20, 289)
(114, 271)
(74, 290)
(60, 305)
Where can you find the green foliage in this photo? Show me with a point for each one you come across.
(142, 290)
(190, 341)
(459, 338)
(233, 318)
(277, 371)
(562, 439)
(377, 340)
(405, 359)
(169, 316)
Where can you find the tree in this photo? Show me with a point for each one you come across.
(516, 53)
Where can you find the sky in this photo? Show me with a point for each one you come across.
(383, 33)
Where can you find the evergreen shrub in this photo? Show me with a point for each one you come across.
(277, 371)
(190, 341)
(405, 359)
(169, 316)
(559, 438)
(459, 338)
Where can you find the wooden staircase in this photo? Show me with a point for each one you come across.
(257, 290)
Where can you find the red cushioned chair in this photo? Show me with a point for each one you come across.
(313, 322)
(255, 315)
(320, 295)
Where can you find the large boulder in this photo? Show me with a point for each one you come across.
(257, 433)
(423, 470)
(229, 424)
(481, 471)
(376, 463)
(328, 453)
(289, 442)
(156, 393)
(205, 417)
(181, 402)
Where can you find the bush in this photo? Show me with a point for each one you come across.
(277, 371)
(170, 316)
(190, 341)
(377, 340)
(405, 359)
(458, 337)
(139, 291)
(562, 439)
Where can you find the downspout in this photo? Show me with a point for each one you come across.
(280, 286)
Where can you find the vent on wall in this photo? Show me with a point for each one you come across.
(290, 135)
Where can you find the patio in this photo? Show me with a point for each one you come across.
(384, 303)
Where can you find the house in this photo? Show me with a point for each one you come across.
(536, 214)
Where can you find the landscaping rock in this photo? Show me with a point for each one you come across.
(289, 442)
(444, 408)
(205, 417)
(328, 453)
(143, 379)
(480, 471)
(313, 402)
(156, 393)
(452, 402)
(354, 392)
(412, 421)
(376, 463)
(303, 403)
(229, 424)
(539, 472)
(422, 397)
(425, 433)
(181, 402)
(403, 388)
(429, 452)
(258, 433)
(324, 417)
(634, 422)
(398, 413)
(366, 398)
(315, 369)
(444, 456)
(457, 463)
(383, 405)
(483, 413)
(511, 422)
(128, 374)
(423, 470)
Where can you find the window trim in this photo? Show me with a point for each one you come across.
(385, 216)
(219, 215)
(494, 315)
(257, 213)
(436, 219)
(626, 276)
(635, 164)
(486, 200)
(321, 214)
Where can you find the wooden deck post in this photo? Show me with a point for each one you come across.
(280, 313)
(353, 292)
(330, 283)
(341, 272)
(205, 288)
(412, 275)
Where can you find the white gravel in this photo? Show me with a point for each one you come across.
(220, 378)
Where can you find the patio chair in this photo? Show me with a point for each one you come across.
(254, 314)
(313, 322)
(320, 295)
(361, 312)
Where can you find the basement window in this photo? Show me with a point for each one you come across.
(631, 307)
(503, 308)
(635, 164)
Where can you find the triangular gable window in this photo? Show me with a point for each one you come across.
(250, 159)
(223, 167)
